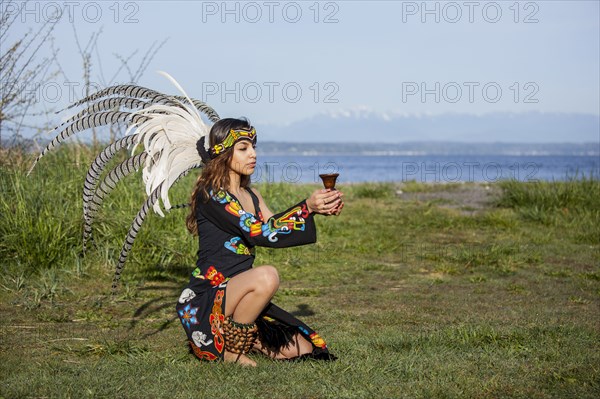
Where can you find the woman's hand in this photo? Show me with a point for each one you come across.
(325, 202)
(338, 209)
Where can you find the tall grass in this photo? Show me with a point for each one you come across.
(573, 194)
(575, 202)
(41, 223)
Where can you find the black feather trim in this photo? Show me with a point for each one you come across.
(275, 335)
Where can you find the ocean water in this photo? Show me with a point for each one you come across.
(424, 168)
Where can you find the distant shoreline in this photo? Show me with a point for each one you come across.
(428, 148)
(412, 148)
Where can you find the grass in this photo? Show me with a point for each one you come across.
(416, 299)
(574, 203)
(413, 186)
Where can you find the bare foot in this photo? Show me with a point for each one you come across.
(238, 358)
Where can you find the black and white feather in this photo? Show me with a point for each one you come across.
(162, 134)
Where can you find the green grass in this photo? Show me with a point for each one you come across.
(578, 194)
(416, 299)
(574, 203)
(413, 186)
(373, 190)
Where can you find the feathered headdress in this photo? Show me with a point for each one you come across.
(168, 128)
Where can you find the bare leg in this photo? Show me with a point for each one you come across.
(247, 295)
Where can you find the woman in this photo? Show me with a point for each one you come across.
(226, 309)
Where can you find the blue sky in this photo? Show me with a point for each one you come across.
(379, 55)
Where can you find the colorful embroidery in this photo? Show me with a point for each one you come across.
(188, 315)
(255, 228)
(318, 341)
(216, 320)
(314, 337)
(235, 209)
(186, 295)
(293, 220)
(247, 220)
(249, 223)
(222, 197)
(199, 339)
(214, 276)
(288, 222)
(202, 354)
(232, 137)
(235, 246)
(304, 211)
(304, 330)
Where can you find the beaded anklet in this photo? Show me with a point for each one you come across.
(239, 337)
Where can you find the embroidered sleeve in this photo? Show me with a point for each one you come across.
(292, 227)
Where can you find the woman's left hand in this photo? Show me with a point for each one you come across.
(338, 209)
(325, 202)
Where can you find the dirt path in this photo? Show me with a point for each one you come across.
(469, 198)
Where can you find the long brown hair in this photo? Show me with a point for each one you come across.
(215, 173)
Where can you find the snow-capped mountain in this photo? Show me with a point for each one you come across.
(367, 126)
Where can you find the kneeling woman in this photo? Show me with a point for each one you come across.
(225, 309)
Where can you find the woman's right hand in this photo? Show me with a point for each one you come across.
(324, 201)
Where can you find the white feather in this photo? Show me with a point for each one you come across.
(176, 84)
(169, 137)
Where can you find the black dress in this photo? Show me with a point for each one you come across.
(227, 236)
